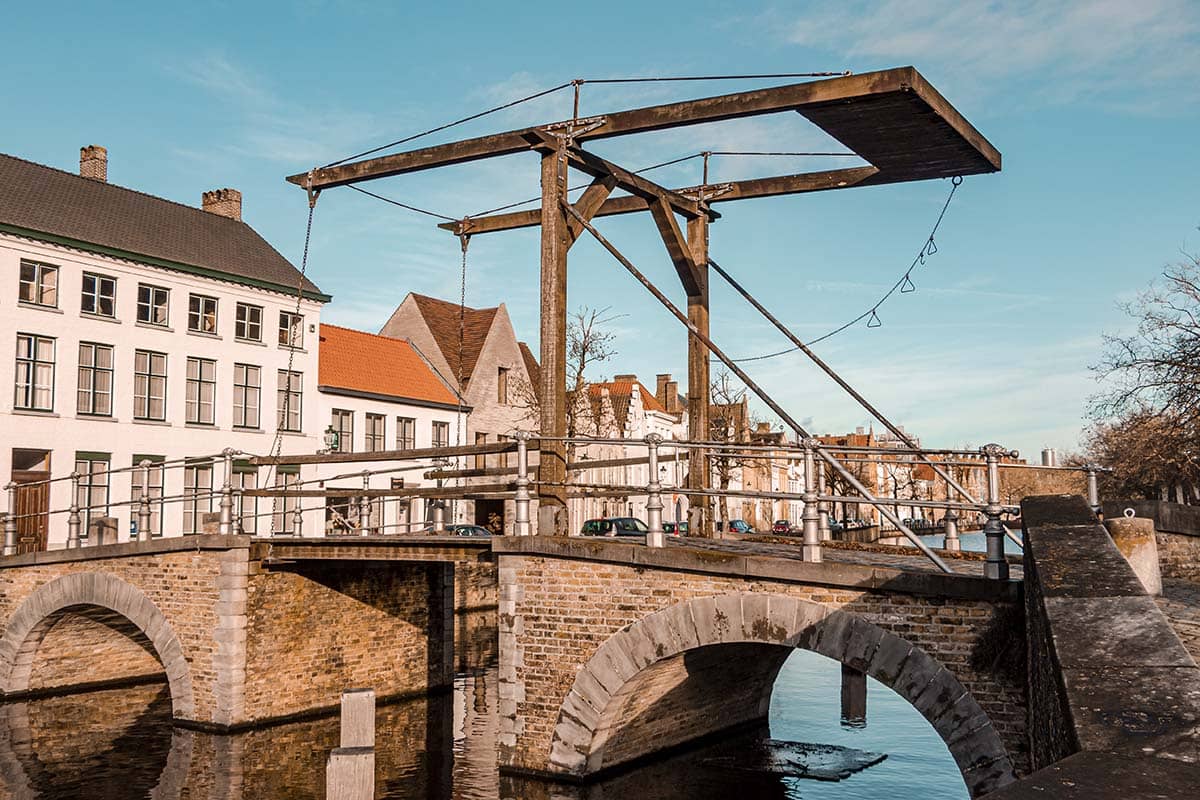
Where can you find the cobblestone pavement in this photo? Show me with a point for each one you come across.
(895, 557)
(1180, 601)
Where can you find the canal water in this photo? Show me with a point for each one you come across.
(120, 744)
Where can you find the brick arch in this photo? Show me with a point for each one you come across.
(47, 604)
(733, 646)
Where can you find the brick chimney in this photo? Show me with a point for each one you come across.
(624, 378)
(660, 390)
(672, 404)
(93, 163)
(226, 202)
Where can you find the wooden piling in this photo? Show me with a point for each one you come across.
(358, 718)
(350, 774)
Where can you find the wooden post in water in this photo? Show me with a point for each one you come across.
(350, 770)
(854, 696)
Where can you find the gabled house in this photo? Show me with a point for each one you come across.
(476, 351)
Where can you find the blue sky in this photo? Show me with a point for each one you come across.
(1093, 105)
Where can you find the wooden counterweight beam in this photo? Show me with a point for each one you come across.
(836, 104)
(800, 183)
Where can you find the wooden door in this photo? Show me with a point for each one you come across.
(33, 507)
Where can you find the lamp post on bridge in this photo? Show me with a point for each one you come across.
(810, 550)
(521, 525)
(996, 565)
(654, 505)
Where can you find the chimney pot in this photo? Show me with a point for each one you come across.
(224, 202)
(93, 163)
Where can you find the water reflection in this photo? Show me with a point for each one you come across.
(121, 744)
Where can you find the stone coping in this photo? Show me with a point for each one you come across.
(1168, 517)
(1129, 690)
(679, 557)
(426, 549)
(171, 544)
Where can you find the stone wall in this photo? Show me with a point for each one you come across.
(555, 613)
(93, 647)
(1177, 532)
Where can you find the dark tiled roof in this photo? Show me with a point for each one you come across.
(532, 368)
(443, 321)
(41, 201)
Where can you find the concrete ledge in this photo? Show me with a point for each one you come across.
(173, 544)
(1098, 775)
(375, 548)
(681, 558)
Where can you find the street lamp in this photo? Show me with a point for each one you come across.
(331, 439)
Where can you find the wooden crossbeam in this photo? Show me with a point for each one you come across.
(342, 493)
(634, 184)
(677, 245)
(591, 201)
(391, 455)
(835, 103)
(801, 183)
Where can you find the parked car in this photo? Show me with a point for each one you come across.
(739, 526)
(676, 528)
(470, 530)
(781, 526)
(614, 526)
(835, 526)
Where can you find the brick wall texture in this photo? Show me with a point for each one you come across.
(92, 648)
(1179, 556)
(556, 613)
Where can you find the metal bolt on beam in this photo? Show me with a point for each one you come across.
(810, 550)
(654, 505)
(521, 526)
(74, 521)
(951, 541)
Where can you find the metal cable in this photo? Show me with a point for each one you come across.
(433, 214)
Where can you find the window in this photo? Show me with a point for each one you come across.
(152, 304)
(94, 392)
(343, 423)
(99, 295)
(375, 436)
(441, 434)
(153, 477)
(340, 513)
(92, 497)
(480, 458)
(502, 386)
(197, 496)
(149, 385)
(39, 284)
(201, 390)
(285, 517)
(246, 477)
(248, 322)
(202, 313)
(406, 433)
(35, 373)
(247, 390)
(289, 400)
(291, 329)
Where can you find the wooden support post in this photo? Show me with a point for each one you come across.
(854, 697)
(552, 466)
(350, 774)
(358, 718)
(699, 521)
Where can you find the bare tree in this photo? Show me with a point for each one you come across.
(1151, 454)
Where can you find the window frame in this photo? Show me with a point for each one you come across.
(157, 481)
(288, 319)
(97, 296)
(285, 390)
(242, 382)
(32, 362)
(89, 483)
(152, 378)
(444, 427)
(502, 385)
(192, 496)
(403, 424)
(150, 305)
(342, 422)
(375, 441)
(242, 323)
(198, 311)
(93, 371)
(41, 269)
(199, 384)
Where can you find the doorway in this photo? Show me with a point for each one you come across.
(30, 471)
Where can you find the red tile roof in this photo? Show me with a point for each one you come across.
(620, 393)
(365, 362)
(443, 319)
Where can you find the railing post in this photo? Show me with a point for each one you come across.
(951, 541)
(74, 522)
(996, 565)
(10, 521)
(823, 531)
(811, 549)
(298, 518)
(521, 527)
(364, 506)
(1093, 490)
(143, 525)
(225, 524)
(654, 505)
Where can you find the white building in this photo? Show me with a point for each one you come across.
(142, 329)
(380, 393)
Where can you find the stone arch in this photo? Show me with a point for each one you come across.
(45, 606)
(757, 632)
